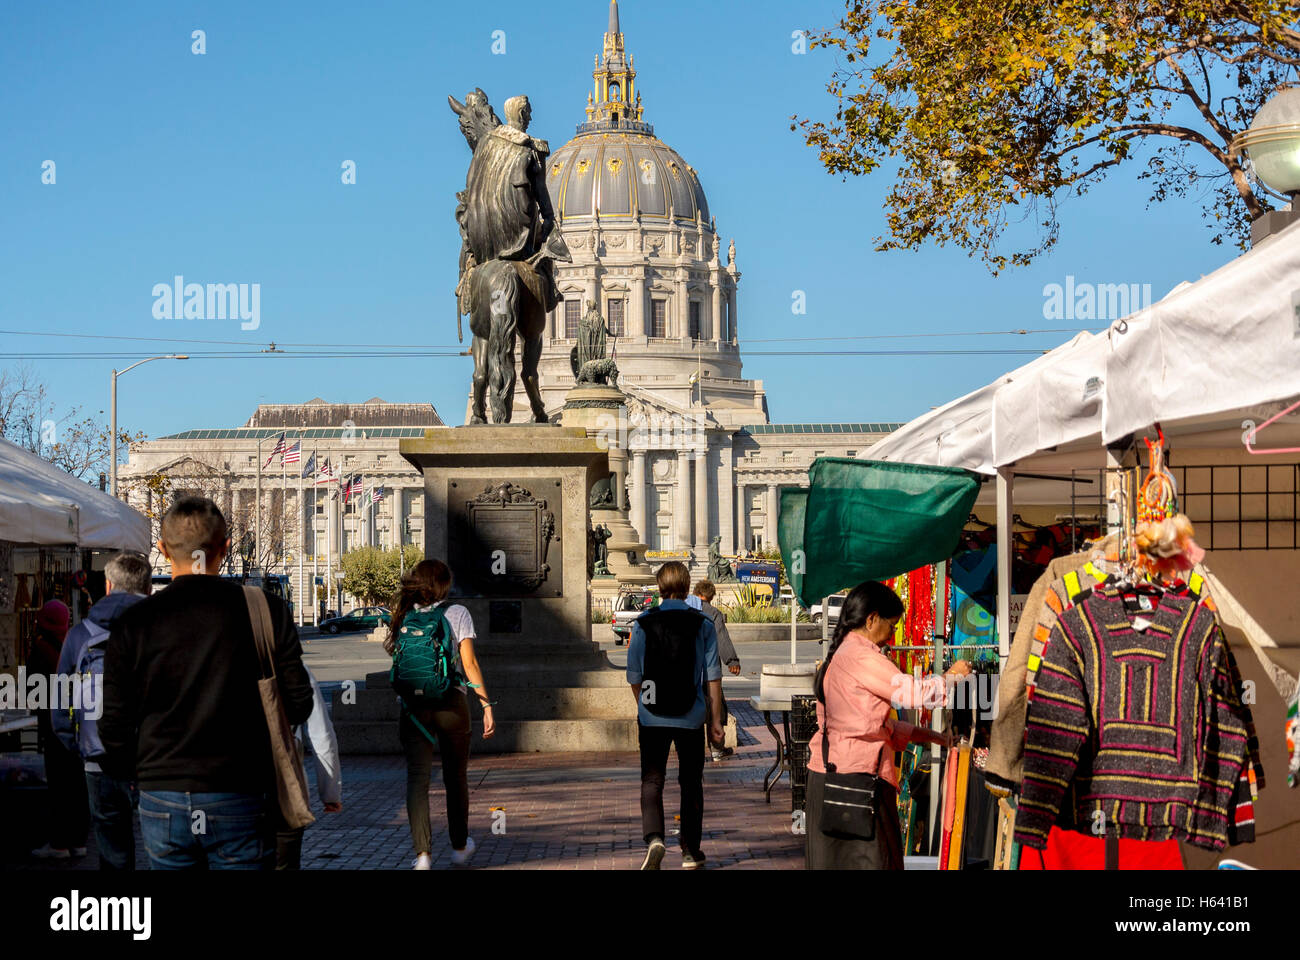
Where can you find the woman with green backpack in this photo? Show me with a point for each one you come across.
(432, 646)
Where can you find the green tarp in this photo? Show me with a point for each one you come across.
(871, 520)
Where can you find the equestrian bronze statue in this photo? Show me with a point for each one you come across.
(509, 246)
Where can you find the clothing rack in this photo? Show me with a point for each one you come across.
(931, 646)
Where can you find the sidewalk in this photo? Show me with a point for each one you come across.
(561, 811)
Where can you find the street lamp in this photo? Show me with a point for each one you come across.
(113, 415)
(1272, 144)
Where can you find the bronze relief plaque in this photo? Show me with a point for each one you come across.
(504, 537)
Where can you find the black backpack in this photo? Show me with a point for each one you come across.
(670, 663)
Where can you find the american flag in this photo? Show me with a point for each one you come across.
(377, 495)
(293, 454)
(353, 486)
(326, 473)
(278, 451)
(310, 468)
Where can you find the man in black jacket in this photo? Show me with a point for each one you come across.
(182, 713)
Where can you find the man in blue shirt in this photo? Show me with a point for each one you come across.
(673, 668)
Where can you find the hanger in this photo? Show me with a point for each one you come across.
(1254, 432)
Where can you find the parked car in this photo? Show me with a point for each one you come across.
(361, 620)
(833, 610)
(627, 607)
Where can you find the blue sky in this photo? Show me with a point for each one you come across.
(225, 168)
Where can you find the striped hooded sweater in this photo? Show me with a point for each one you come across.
(1142, 731)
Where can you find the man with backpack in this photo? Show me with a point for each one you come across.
(128, 580)
(676, 677)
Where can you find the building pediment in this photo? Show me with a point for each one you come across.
(189, 466)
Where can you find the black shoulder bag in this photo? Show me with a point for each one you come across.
(848, 810)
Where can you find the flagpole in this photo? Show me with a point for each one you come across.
(257, 509)
(329, 538)
(302, 534)
(315, 547)
(284, 505)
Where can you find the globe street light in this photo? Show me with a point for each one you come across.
(113, 415)
(1272, 144)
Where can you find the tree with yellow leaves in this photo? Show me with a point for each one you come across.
(995, 111)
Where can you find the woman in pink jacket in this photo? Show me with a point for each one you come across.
(857, 689)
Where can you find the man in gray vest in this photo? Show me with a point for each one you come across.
(704, 592)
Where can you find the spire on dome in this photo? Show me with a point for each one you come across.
(615, 102)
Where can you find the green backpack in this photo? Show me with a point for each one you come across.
(424, 660)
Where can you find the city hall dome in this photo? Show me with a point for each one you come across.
(616, 167)
(623, 174)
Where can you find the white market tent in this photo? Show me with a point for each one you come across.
(41, 504)
(1205, 358)
(1206, 361)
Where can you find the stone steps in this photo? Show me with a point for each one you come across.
(551, 696)
(511, 703)
(512, 736)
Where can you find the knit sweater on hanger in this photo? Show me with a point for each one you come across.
(1140, 729)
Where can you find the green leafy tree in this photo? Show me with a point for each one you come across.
(373, 575)
(992, 111)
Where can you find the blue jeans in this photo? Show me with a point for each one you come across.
(207, 831)
(111, 804)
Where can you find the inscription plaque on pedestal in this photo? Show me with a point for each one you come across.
(501, 537)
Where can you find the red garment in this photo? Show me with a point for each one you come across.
(1068, 850)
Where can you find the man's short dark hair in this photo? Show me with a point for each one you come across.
(705, 590)
(129, 572)
(674, 580)
(193, 524)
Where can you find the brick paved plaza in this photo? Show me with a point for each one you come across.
(575, 811)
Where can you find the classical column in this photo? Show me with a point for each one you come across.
(716, 313)
(742, 517)
(638, 322)
(702, 498)
(726, 492)
(683, 308)
(682, 502)
(769, 524)
(638, 494)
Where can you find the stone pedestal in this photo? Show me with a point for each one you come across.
(601, 412)
(507, 507)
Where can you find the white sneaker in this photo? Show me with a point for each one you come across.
(423, 862)
(654, 855)
(461, 857)
(50, 853)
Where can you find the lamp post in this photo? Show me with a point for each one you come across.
(112, 416)
(1272, 143)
